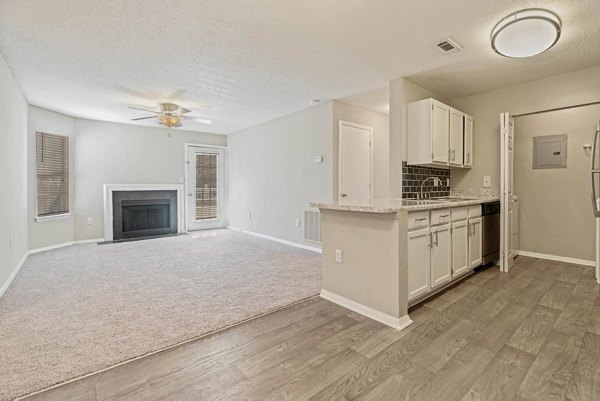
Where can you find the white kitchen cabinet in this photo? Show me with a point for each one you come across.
(428, 123)
(460, 248)
(468, 128)
(475, 242)
(438, 135)
(440, 255)
(456, 150)
(418, 262)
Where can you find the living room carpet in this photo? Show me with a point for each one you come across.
(83, 308)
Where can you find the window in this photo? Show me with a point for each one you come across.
(52, 162)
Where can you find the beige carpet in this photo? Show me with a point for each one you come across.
(76, 310)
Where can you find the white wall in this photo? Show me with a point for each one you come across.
(555, 205)
(110, 153)
(381, 135)
(47, 233)
(560, 91)
(402, 92)
(272, 173)
(13, 174)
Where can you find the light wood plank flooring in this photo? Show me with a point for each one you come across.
(531, 334)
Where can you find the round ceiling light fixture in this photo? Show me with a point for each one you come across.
(526, 33)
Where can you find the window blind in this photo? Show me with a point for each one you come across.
(206, 186)
(52, 162)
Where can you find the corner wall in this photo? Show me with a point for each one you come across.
(111, 153)
(13, 175)
(272, 174)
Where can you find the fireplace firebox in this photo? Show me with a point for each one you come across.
(139, 214)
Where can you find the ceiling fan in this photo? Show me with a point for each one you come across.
(170, 115)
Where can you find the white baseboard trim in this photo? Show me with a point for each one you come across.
(49, 248)
(557, 258)
(281, 241)
(397, 323)
(13, 275)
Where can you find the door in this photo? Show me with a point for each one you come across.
(355, 162)
(440, 132)
(205, 188)
(460, 248)
(456, 137)
(507, 131)
(468, 160)
(440, 255)
(475, 242)
(419, 243)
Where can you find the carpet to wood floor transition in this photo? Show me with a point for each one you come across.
(79, 309)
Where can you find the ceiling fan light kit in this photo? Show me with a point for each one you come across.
(170, 115)
(526, 33)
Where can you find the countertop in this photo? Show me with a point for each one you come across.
(395, 205)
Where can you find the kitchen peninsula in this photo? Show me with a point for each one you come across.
(366, 252)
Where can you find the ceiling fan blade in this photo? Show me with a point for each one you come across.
(183, 110)
(142, 118)
(150, 111)
(199, 119)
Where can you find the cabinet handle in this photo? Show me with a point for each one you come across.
(430, 240)
(436, 238)
(473, 227)
(445, 215)
(421, 219)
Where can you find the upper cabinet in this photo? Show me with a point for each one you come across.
(439, 135)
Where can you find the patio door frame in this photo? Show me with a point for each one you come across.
(222, 222)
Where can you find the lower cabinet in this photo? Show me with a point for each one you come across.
(475, 242)
(460, 248)
(440, 255)
(418, 262)
(440, 252)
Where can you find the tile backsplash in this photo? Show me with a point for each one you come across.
(413, 176)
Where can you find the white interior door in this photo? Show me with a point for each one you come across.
(507, 132)
(205, 188)
(355, 162)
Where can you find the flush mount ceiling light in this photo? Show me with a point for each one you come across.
(526, 33)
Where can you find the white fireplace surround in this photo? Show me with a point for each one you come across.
(108, 203)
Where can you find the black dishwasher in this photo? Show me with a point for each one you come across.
(491, 232)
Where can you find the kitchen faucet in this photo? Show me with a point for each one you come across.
(425, 180)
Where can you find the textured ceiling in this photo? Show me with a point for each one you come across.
(241, 63)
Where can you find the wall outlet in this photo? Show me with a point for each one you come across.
(318, 159)
(297, 222)
(90, 221)
(487, 181)
(339, 256)
(447, 182)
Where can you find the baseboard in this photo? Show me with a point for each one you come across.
(13, 275)
(51, 247)
(281, 241)
(557, 258)
(397, 323)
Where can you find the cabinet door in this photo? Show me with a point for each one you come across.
(418, 262)
(440, 255)
(456, 137)
(460, 248)
(475, 242)
(440, 132)
(468, 160)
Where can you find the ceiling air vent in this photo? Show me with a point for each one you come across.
(449, 46)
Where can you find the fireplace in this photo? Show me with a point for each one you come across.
(142, 211)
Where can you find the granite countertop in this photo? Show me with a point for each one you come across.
(395, 205)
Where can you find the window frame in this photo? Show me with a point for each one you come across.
(59, 216)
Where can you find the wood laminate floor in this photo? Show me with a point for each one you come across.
(531, 334)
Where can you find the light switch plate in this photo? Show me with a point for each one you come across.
(339, 256)
(487, 181)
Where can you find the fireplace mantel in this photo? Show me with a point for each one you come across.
(108, 203)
